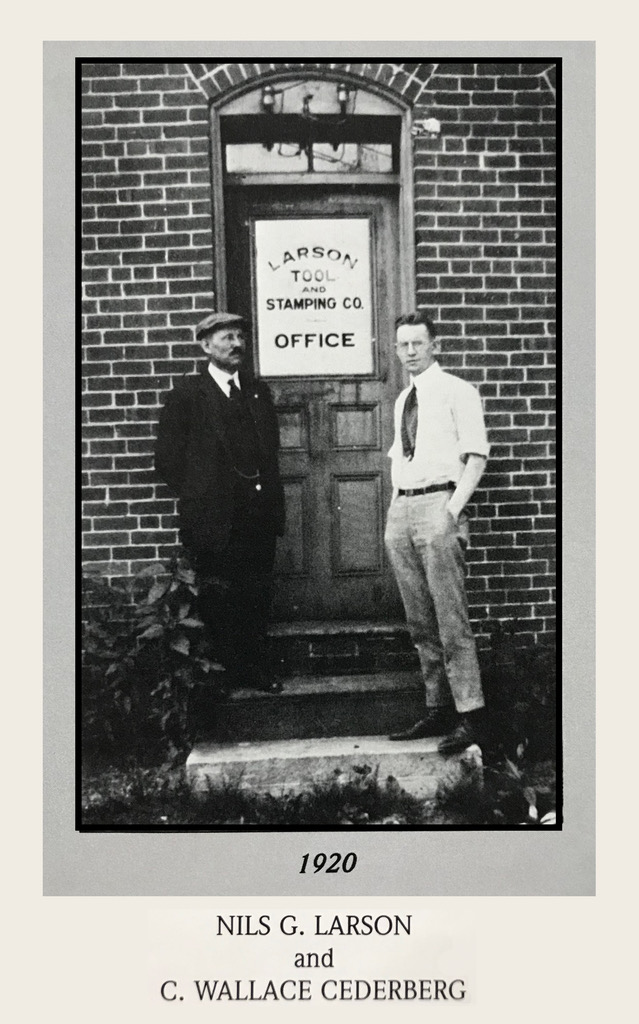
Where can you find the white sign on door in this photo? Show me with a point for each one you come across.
(314, 297)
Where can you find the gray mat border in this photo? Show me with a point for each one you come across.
(390, 864)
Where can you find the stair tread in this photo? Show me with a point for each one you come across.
(335, 628)
(309, 685)
(320, 746)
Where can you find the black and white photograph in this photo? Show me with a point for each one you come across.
(318, 317)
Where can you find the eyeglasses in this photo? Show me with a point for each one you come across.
(403, 346)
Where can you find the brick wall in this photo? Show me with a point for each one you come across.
(485, 233)
(485, 212)
(147, 246)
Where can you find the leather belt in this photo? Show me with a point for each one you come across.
(414, 492)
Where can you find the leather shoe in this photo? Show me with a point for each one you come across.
(435, 723)
(468, 731)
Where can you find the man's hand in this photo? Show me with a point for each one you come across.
(473, 471)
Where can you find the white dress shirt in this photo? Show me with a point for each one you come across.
(223, 378)
(450, 426)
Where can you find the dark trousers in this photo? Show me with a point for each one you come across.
(235, 592)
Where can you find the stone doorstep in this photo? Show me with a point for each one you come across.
(291, 766)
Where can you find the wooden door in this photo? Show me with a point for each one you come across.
(335, 429)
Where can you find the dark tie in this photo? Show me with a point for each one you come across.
(234, 392)
(409, 423)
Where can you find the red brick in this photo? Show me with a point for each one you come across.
(465, 269)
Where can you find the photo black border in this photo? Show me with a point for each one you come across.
(234, 829)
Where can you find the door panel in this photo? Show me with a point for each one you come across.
(335, 430)
(357, 535)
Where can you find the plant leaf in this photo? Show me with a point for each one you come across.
(152, 632)
(156, 592)
(151, 570)
(210, 666)
(530, 795)
(513, 769)
(182, 645)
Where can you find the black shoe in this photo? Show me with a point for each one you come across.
(436, 723)
(470, 730)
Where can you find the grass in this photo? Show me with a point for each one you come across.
(142, 796)
(161, 796)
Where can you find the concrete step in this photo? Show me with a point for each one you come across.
(331, 648)
(314, 706)
(294, 765)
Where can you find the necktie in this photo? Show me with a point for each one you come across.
(409, 423)
(234, 392)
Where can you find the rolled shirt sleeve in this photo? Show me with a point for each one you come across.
(469, 417)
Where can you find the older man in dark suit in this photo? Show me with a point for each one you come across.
(217, 449)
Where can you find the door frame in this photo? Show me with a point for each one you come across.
(387, 191)
(406, 226)
(324, 581)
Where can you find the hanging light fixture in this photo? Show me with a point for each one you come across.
(268, 99)
(343, 94)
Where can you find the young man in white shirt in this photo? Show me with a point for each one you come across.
(438, 457)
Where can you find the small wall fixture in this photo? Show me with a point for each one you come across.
(343, 94)
(431, 127)
(268, 99)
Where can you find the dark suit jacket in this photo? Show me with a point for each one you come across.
(193, 456)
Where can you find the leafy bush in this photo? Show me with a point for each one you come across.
(144, 653)
(508, 793)
(519, 680)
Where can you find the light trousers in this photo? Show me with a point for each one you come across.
(426, 549)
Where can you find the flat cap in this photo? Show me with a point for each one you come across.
(214, 321)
